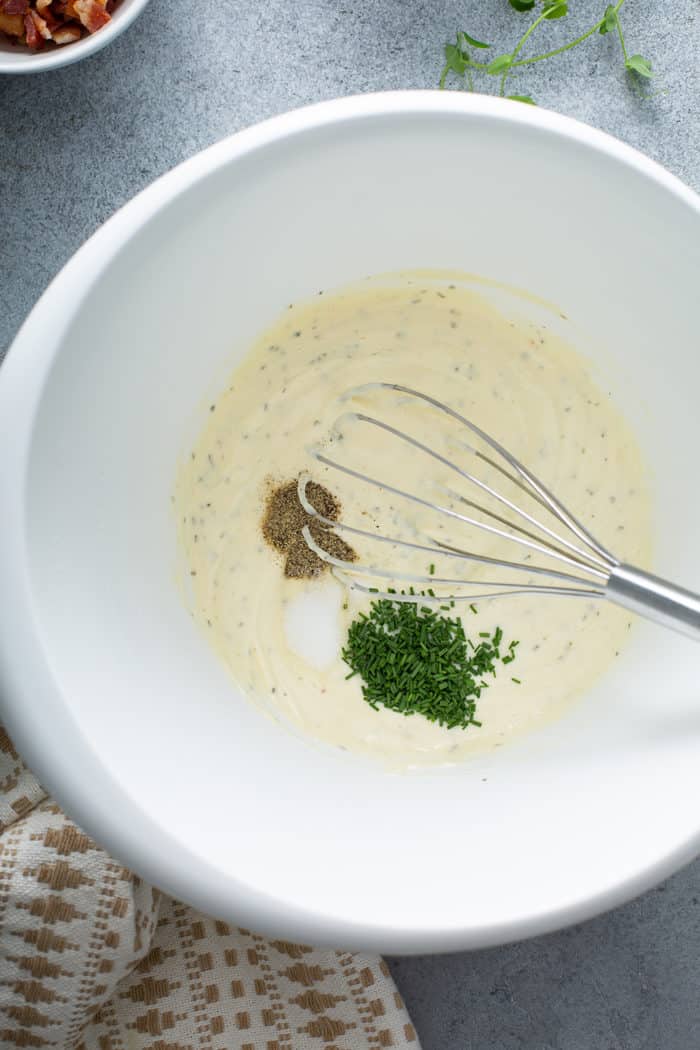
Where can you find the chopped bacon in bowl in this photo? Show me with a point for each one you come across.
(35, 23)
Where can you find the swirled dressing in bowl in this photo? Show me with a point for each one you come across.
(280, 637)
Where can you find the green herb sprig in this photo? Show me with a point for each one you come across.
(415, 660)
(460, 58)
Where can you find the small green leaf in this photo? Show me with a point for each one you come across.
(455, 60)
(464, 38)
(555, 8)
(523, 98)
(500, 64)
(522, 5)
(640, 65)
(609, 22)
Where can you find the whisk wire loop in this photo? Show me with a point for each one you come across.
(582, 568)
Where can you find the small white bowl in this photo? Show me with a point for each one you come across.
(18, 59)
(116, 699)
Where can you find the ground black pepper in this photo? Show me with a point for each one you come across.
(283, 521)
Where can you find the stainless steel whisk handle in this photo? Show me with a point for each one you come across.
(655, 599)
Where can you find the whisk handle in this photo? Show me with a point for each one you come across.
(655, 599)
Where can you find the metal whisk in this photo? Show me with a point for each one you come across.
(578, 564)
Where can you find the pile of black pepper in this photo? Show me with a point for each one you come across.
(283, 521)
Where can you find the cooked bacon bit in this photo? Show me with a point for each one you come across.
(41, 26)
(12, 25)
(92, 14)
(32, 22)
(67, 35)
(34, 41)
(51, 22)
(15, 7)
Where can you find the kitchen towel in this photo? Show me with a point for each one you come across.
(93, 958)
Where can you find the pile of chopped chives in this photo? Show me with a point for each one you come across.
(415, 660)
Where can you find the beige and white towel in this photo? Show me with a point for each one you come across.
(92, 958)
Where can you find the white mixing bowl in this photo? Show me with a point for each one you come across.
(112, 693)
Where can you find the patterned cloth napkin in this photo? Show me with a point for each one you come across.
(91, 958)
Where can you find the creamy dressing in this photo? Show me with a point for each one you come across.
(281, 638)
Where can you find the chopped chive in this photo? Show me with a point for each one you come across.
(414, 660)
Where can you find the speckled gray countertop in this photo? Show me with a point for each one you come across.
(78, 143)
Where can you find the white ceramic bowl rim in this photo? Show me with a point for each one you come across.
(78, 780)
(20, 60)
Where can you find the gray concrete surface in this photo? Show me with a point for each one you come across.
(76, 144)
(629, 980)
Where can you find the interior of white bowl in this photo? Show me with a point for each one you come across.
(18, 59)
(180, 774)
